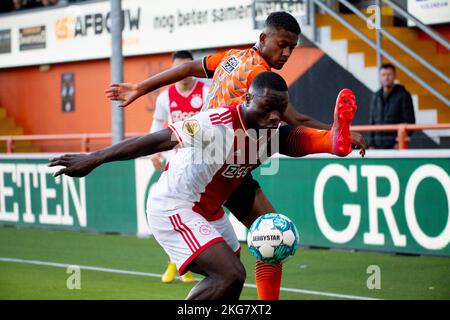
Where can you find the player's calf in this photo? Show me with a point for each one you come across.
(225, 274)
(301, 141)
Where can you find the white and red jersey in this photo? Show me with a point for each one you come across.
(173, 105)
(198, 179)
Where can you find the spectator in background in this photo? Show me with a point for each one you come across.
(42, 3)
(392, 104)
(17, 4)
(48, 2)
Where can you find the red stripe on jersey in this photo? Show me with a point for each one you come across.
(224, 118)
(225, 114)
(223, 183)
(227, 118)
(189, 231)
(235, 114)
(175, 132)
(176, 228)
(215, 119)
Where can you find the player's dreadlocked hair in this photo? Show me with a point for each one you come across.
(269, 80)
(183, 54)
(283, 20)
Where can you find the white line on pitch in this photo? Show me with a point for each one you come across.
(156, 275)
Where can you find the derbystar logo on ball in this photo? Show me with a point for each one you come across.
(273, 238)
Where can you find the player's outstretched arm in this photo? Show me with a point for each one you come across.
(294, 118)
(128, 92)
(80, 165)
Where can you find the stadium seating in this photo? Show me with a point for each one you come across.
(412, 38)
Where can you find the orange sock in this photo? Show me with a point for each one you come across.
(303, 141)
(268, 280)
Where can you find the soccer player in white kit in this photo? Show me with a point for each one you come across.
(177, 102)
(186, 215)
(232, 72)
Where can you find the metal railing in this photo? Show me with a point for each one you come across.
(377, 46)
(402, 129)
(86, 139)
(396, 41)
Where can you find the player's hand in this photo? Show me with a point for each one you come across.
(127, 92)
(76, 165)
(157, 163)
(359, 142)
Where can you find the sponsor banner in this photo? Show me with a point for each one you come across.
(429, 11)
(382, 204)
(82, 31)
(5, 41)
(32, 38)
(392, 205)
(30, 196)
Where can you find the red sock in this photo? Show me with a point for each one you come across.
(268, 280)
(303, 141)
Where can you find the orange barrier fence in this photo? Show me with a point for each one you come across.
(402, 130)
(86, 138)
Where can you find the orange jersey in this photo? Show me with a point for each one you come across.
(232, 72)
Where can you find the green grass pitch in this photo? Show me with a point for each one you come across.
(326, 272)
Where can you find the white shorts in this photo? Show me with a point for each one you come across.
(184, 234)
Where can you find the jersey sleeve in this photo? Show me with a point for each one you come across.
(211, 62)
(257, 70)
(190, 132)
(161, 114)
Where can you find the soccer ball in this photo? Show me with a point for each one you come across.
(273, 238)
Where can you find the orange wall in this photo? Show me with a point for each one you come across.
(32, 97)
(299, 62)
